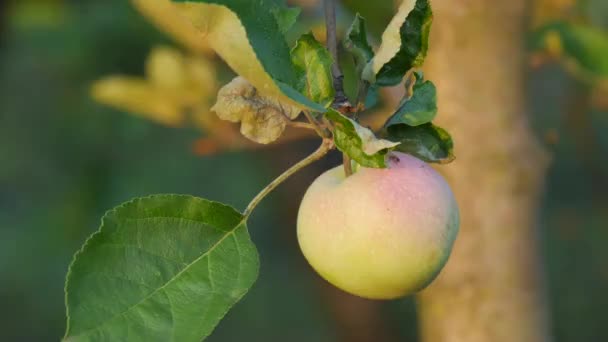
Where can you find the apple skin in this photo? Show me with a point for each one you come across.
(380, 233)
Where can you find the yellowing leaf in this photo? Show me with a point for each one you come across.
(165, 68)
(263, 118)
(165, 15)
(359, 142)
(247, 36)
(391, 38)
(404, 44)
(175, 83)
(370, 144)
(313, 63)
(136, 96)
(189, 78)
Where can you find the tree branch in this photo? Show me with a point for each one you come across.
(298, 124)
(322, 132)
(340, 101)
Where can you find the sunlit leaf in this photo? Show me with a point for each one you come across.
(404, 44)
(428, 142)
(137, 96)
(194, 77)
(359, 142)
(313, 65)
(168, 19)
(419, 108)
(248, 37)
(174, 84)
(165, 68)
(161, 268)
(263, 118)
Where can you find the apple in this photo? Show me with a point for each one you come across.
(379, 233)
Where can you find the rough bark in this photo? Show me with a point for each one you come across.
(491, 289)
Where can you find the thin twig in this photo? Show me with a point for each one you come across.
(340, 100)
(320, 130)
(298, 124)
(325, 147)
(327, 124)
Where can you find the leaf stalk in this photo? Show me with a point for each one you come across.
(326, 146)
(321, 131)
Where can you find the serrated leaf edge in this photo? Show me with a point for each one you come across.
(99, 231)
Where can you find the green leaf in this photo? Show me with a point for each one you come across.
(377, 13)
(313, 66)
(359, 142)
(428, 142)
(248, 36)
(404, 44)
(586, 46)
(372, 97)
(419, 108)
(161, 268)
(357, 44)
(286, 17)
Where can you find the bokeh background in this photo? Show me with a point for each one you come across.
(65, 159)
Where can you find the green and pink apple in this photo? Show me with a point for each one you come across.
(379, 233)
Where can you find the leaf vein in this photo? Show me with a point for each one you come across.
(161, 288)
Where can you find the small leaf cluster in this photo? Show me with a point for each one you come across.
(412, 126)
(404, 48)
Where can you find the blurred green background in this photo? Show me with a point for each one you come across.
(65, 159)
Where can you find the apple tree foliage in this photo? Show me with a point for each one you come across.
(169, 267)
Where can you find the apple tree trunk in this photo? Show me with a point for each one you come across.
(491, 289)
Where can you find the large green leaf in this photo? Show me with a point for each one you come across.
(404, 43)
(161, 268)
(419, 108)
(428, 142)
(313, 65)
(359, 142)
(586, 46)
(248, 35)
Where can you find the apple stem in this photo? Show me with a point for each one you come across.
(348, 166)
(326, 146)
